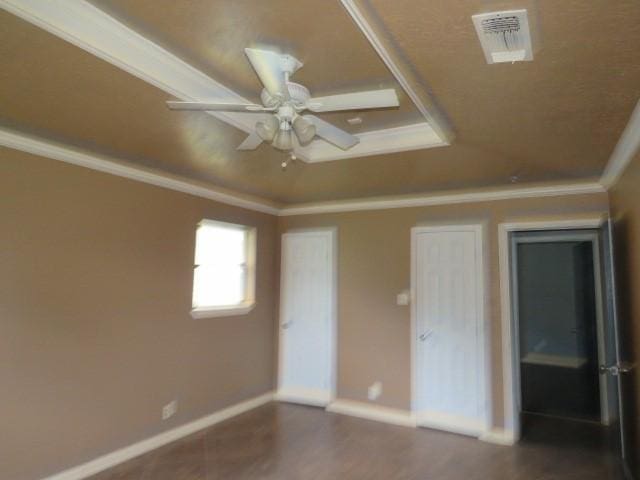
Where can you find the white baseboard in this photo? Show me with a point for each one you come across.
(304, 396)
(372, 412)
(498, 436)
(119, 456)
(406, 418)
(472, 427)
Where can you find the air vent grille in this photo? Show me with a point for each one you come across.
(504, 36)
(501, 25)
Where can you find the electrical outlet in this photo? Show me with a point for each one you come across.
(169, 409)
(403, 298)
(374, 391)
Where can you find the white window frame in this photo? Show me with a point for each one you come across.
(248, 303)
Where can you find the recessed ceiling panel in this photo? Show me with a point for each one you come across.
(56, 90)
(212, 34)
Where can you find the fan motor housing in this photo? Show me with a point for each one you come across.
(299, 95)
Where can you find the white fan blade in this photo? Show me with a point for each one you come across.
(354, 101)
(268, 66)
(332, 134)
(217, 106)
(252, 142)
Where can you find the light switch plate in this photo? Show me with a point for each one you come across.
(403, 298)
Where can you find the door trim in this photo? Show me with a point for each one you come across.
(308, 396)
(509, 380)
(448, 422)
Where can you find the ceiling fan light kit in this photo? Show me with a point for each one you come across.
(284, 101)
(305, 130)
(283, 139)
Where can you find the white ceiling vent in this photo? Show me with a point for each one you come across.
(504, 36)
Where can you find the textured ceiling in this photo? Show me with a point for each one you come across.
(212, 34)
(554, 119)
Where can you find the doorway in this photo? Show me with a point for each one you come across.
(559, 321)
(306, 372)
(614, 416)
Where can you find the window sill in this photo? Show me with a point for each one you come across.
(211, 312)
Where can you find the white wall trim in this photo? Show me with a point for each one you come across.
(509, 380)
(625, 150)
(498, 436)
(48, 149)
(377, 142)
(451, 423)
(377, 413)
(87, 27)
(382, 203)
(466, 426)
(214, 312)
(404, 418)
(400, 72)
(305, 396)
(119, 456)
(113, 166)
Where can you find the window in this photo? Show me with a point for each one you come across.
(224, 271)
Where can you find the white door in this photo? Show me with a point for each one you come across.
(307, 312)
(449, 384)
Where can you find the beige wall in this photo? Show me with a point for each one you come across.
(95, 332)
(625, 210)
(95, 292)
(374, 265)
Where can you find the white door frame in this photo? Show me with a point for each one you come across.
(510, 380)
(305, 397)
(484, 393)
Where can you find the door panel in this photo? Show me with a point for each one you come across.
(449, 366)
(306, 323)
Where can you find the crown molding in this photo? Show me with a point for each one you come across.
(441, 199)
(113, 166)
(624, 151)
(377, 142)
(89, 28)
(63, 153)
(385, 49)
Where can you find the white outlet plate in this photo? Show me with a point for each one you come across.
(169, 409)
(374, 391)
(403, 298)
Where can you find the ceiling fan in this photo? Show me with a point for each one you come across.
(286, 100)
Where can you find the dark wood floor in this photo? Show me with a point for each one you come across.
(289, 442)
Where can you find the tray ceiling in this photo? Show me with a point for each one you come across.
(554, 119)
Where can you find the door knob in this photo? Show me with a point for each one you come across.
(426, 335)
(286, 325)
(615, 370)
